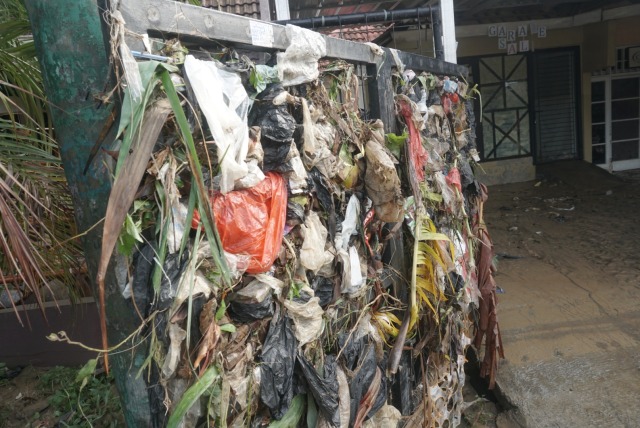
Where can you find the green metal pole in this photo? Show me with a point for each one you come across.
(72, 50)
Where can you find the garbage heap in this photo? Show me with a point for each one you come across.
(296, 264)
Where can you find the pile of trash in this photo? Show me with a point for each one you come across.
(295, 264)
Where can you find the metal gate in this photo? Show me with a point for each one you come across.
(505, 106)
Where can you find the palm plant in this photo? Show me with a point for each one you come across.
(36, 213)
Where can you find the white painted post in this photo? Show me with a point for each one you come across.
(448, 31)
(282, 10)
(265, 11)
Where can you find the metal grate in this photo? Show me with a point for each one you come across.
(555, 104)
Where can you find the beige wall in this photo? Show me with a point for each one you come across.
(626, 32)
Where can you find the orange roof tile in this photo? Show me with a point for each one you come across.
(358, 33)
(248, 8)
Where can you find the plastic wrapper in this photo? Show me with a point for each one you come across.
(344, 405)
(348, 170)
(387, 416)
(278, 362)
(349, 224)
(275, 121)
(295, 213)
(298, 174)
(176, 336)
(321, 188)
(224, 103)
(452, 199)
(255, 301)
(299, 63)
(401, 385)
(453, 179)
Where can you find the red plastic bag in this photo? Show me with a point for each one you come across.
(419, 155)
(251, 221)
(453, 179)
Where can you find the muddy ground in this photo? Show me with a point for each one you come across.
(568, 250)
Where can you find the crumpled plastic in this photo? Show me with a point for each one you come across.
(315, 148)
(251, 221)
(253, 302)
(416, 149)
(323, 388)
(387, 416)
(224, 103)
(382, 181)
(312, 254)
(307, 319)
(299, 62)
(278, 362)
(359, 358)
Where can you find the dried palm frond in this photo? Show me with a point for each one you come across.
(427, 255)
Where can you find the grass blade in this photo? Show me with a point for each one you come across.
(196, 169)
(192, 394)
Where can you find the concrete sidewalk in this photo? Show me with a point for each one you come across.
(570, 314)
(572, 355)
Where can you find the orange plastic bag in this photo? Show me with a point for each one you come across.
(251, 221)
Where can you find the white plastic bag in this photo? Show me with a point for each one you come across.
(312, 254)
(225, 104)
(307, 319)
(349, 224)
(299, 63)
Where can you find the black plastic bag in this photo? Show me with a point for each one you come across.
(359, 358)
(277, 368)
(253, 302)
(402, 385)
(144, 264)
(324, 389)
(295, 212)
(275, 155)
(323, 289)
(277, 126)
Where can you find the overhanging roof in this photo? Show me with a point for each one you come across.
(467, 12)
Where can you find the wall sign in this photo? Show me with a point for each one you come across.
(516, 39)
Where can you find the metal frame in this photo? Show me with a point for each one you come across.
(173, 19)
(610, 164)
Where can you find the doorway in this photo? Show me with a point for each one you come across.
(615, 121)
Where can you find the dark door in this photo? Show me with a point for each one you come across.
(555, 97)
